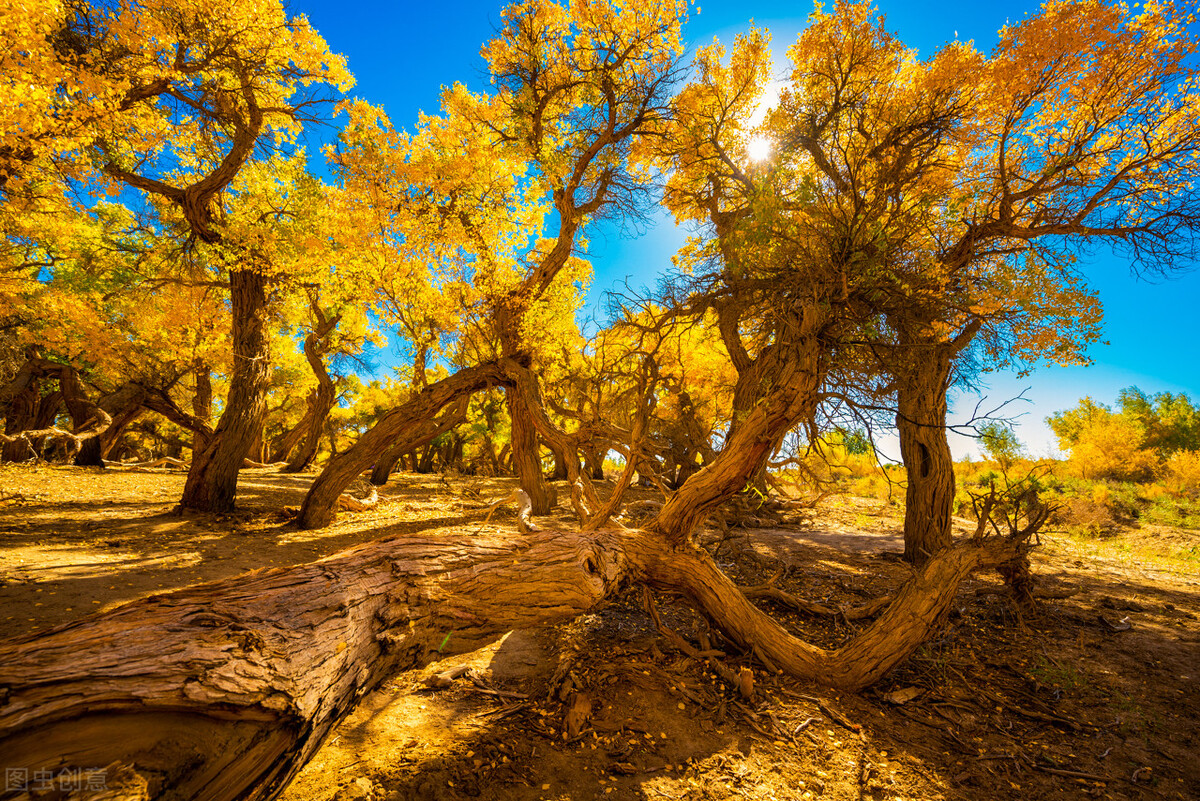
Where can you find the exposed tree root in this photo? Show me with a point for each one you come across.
(225, 690)
(349, 503)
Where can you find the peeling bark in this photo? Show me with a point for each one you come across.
(225, 690)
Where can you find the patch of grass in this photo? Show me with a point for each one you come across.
(1058, 675)
(1178, 512)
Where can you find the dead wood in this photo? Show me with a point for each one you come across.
(908, 621)
(770, 592)
(521, 498)
(164, 461)
(225, 690)
(253, 465)
(349, 503)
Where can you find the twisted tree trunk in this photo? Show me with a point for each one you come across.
(124, 405)
(929, 466)
(793, 399)
(28, 418)
(425, 433)
(526, 458)
(316, 345)
(922, 370)
(225, 690)
(406, 422)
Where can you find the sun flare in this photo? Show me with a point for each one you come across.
(758, 148)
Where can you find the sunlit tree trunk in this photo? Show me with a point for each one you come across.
(526, 456)
(202, 403)
(777, 391)
(923, 370)
(212, 480)
(403, 427)
(928, 463)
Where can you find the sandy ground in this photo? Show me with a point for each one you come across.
(1064, 703)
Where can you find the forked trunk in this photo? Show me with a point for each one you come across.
(212, 480)
(124, 406)
(908, 621)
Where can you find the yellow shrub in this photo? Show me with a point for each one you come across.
(1182, 472)
(1152, 492)
(871, 486)
(1110, 448)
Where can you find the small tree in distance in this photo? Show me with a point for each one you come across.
(1000, 443)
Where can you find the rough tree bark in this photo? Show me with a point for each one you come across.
(793, 398)
(202, 403)
(928, 463)
(526, 456)
(224, 690)
(407, 420)
(22, 404)
(560, 472)
(212, 480)
(922, 373)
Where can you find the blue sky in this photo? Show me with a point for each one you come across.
(402, 53)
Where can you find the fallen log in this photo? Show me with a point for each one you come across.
(225, 690)
(163, 461)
